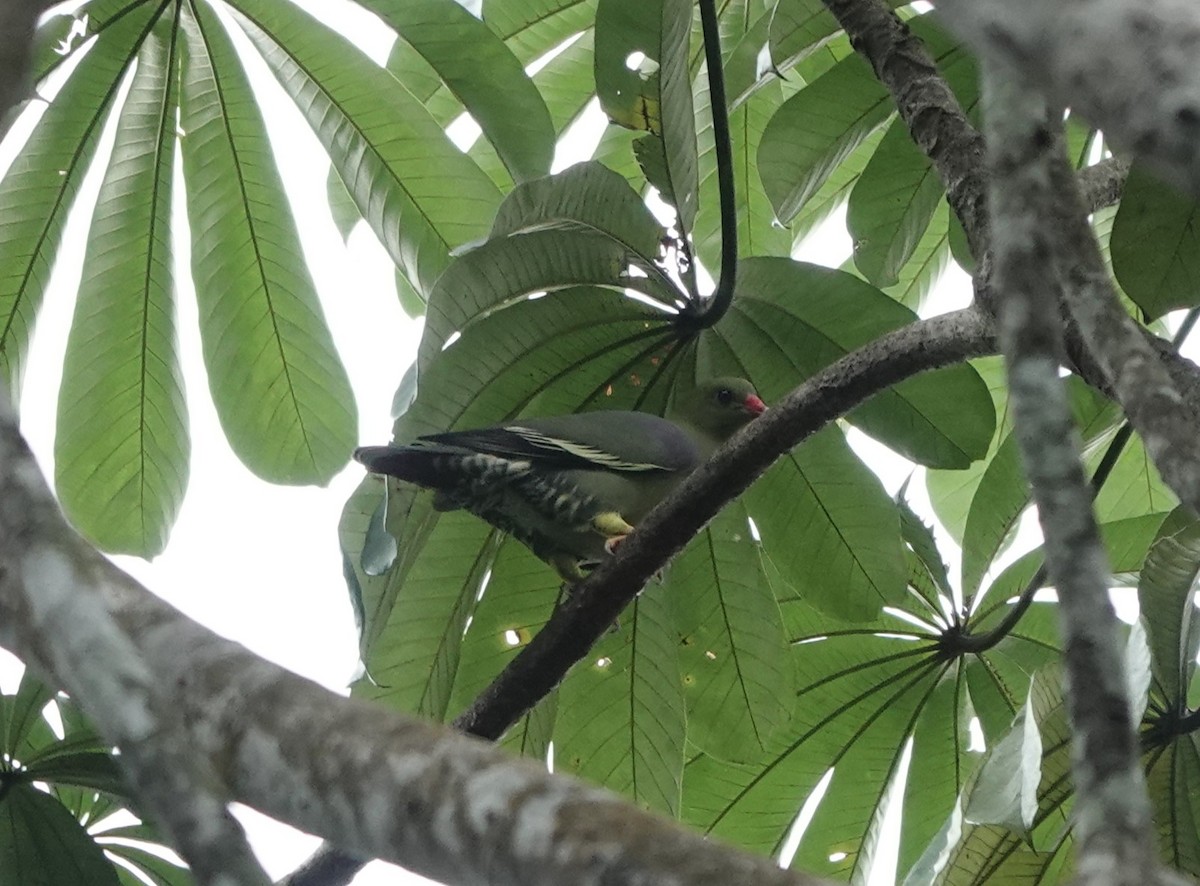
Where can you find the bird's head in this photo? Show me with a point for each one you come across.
(719, 406)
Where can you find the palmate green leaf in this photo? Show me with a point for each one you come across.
(566, 84)
(737, 670)
(800, 27)
(621, 714)
(951, 492)
(804, 317)
(1126, 540)
(829, 528)
(920, 539)
(419, 193)
(864, 692)
(41, 184)
(586, 196)
(22, 728)
(1002, 495)
(815, 130)
(1166, 597)
(41, 843)
(1005, 788)
(482, 73)
(413, 661)
(281, 392)
(582, 226)
(518, 599)
(1156, 245)
(121, 447)
(654, 96)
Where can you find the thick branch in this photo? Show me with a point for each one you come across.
(1131, 68)
(826, 396)
(46, 620)
(437, 802)
(1112, 811)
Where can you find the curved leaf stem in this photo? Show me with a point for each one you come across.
(722, 297)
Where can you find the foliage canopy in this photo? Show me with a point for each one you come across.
(813, 627)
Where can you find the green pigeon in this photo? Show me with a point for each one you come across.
(570, 487)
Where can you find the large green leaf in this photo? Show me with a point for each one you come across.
(582, 226)
(41, 844)
(815, 130)
(41, 184)
(1156, 245)
(420, 194)
(280, 390)
(621, 715)
(121, 448)
(654, 95)
(737, 670)
(483, 73)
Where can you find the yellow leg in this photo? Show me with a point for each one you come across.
(610, 524)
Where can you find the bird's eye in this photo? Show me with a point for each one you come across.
(724, 396)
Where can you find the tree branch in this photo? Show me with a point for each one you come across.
(1112, 811)
(1132, 69)
(592, 606)
(46, 621)
(389, 786)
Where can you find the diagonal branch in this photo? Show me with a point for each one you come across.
(826, 396)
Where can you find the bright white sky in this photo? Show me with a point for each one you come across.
(260, 563)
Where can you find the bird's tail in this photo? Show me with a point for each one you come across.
(411, 464)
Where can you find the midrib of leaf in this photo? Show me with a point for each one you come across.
(108, 23)
(452, 621)
(254, 238)
(729, 632)
(100, 110)
(164, 105)
(353, 123)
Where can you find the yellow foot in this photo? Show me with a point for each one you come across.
(611, 525)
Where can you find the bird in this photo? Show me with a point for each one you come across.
(571, 487)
